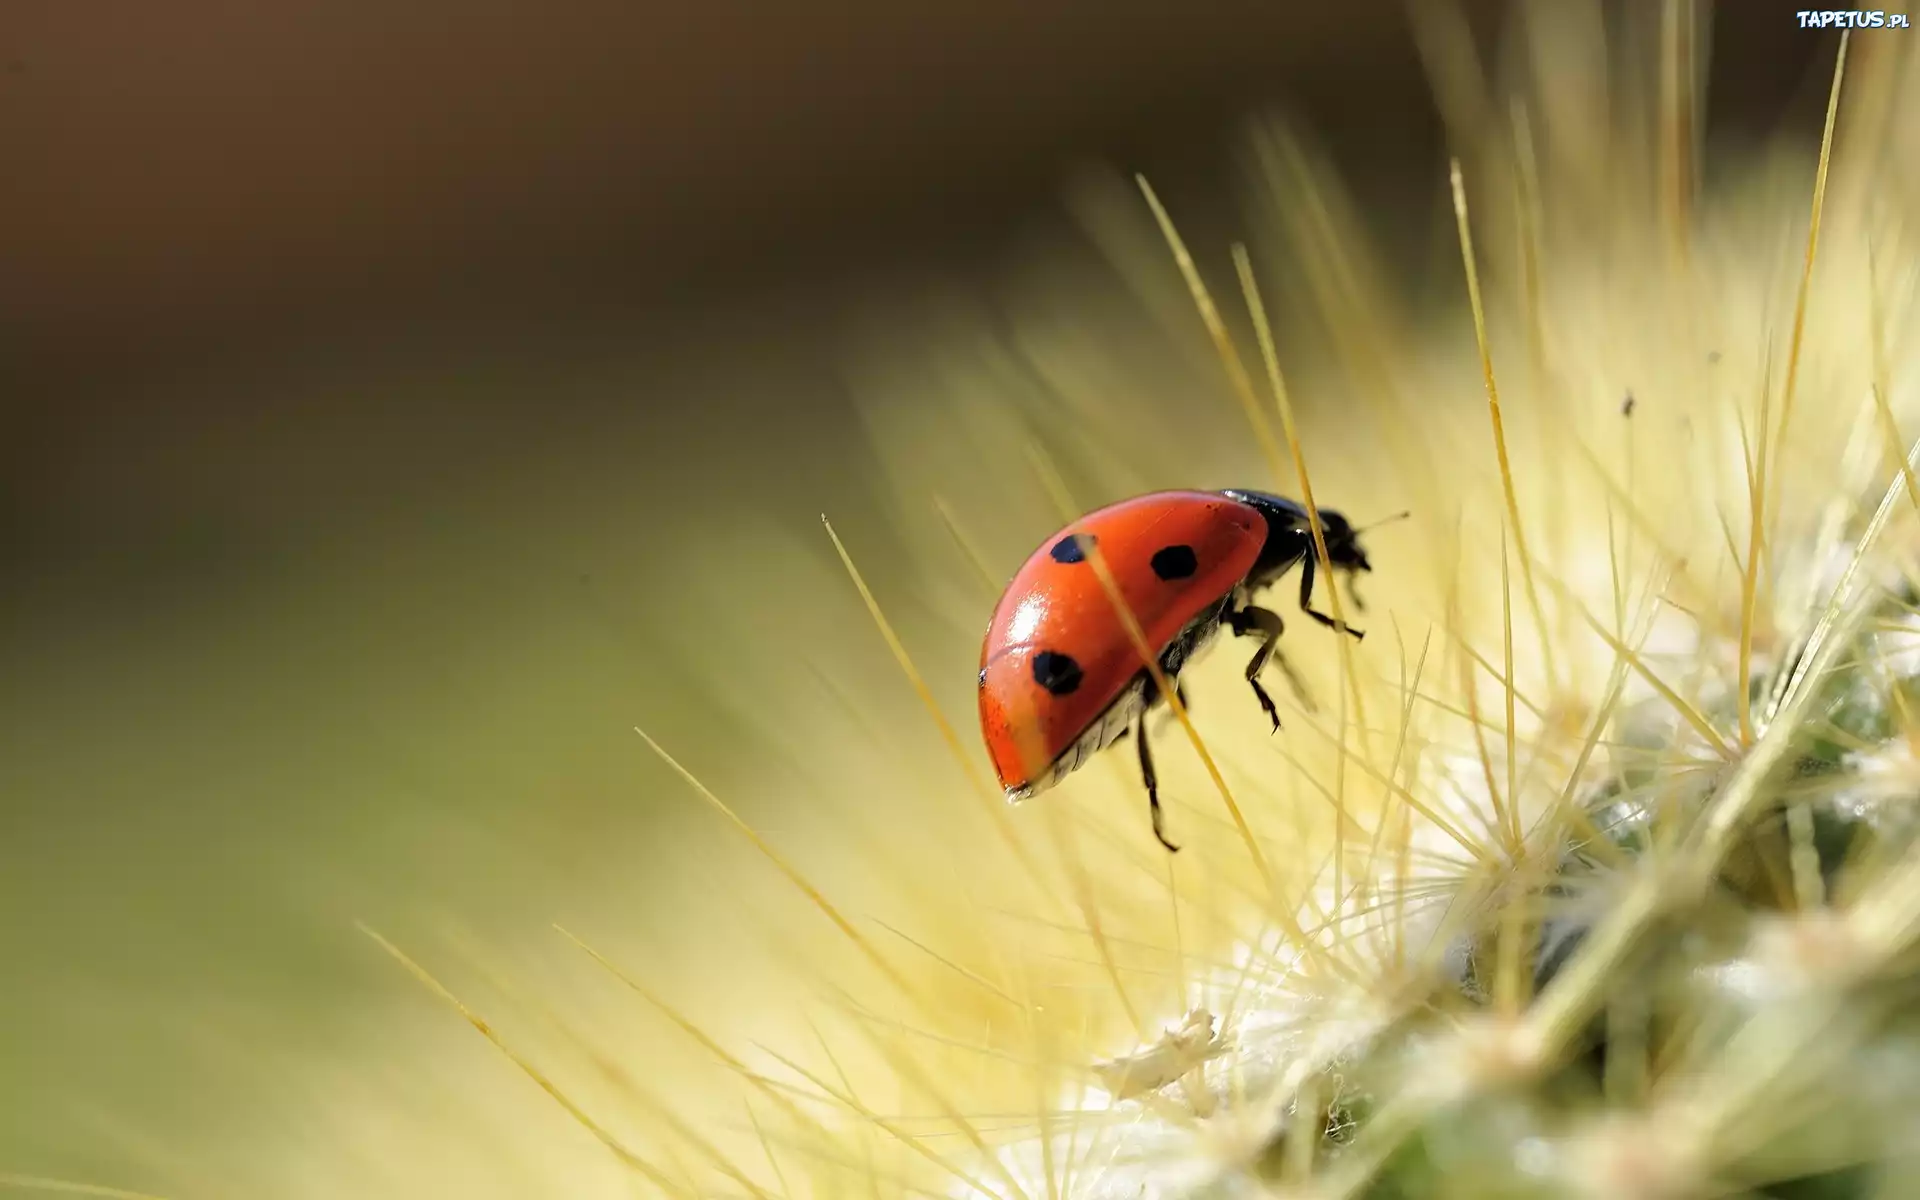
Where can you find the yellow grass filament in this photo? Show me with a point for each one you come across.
(1270, 355)
(640, 1165)
(968, 550)
(1763, 501)
(1882, 385)
(1465, 228)
(698, 1035)
(846, 1099)
(1217, 330)
(987, 793)
(1677, 123)
(1089, 903)
(819, 899)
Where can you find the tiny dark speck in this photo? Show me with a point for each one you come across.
(1071, 548)
(1057, 673)
(1626, 406)
(1174, 562)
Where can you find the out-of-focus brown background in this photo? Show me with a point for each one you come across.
(209, 197)
(381, 388)
(220, 176)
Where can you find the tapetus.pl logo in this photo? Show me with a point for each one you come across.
(1850, 18)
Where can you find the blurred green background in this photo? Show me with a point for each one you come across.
(400, 403)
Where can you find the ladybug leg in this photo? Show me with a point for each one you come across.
(1166, 715)
(1307, 565)
(1260, 657)
(1152, 781)
(1250, 621)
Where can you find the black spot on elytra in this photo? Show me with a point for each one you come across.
(1174, 562)
(1072, 548)
(1057, 673)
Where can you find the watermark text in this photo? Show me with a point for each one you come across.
(1851, 18)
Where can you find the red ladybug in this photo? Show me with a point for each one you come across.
(1060, 680)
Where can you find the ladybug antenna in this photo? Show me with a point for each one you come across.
(1399, 516)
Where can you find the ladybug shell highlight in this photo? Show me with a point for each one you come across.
(1057, 657)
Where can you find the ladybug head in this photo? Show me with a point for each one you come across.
(1343, 542)
(1288, 523)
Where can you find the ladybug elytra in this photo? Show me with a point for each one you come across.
(1061, 680)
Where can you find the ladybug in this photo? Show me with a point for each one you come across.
(1061, 680)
